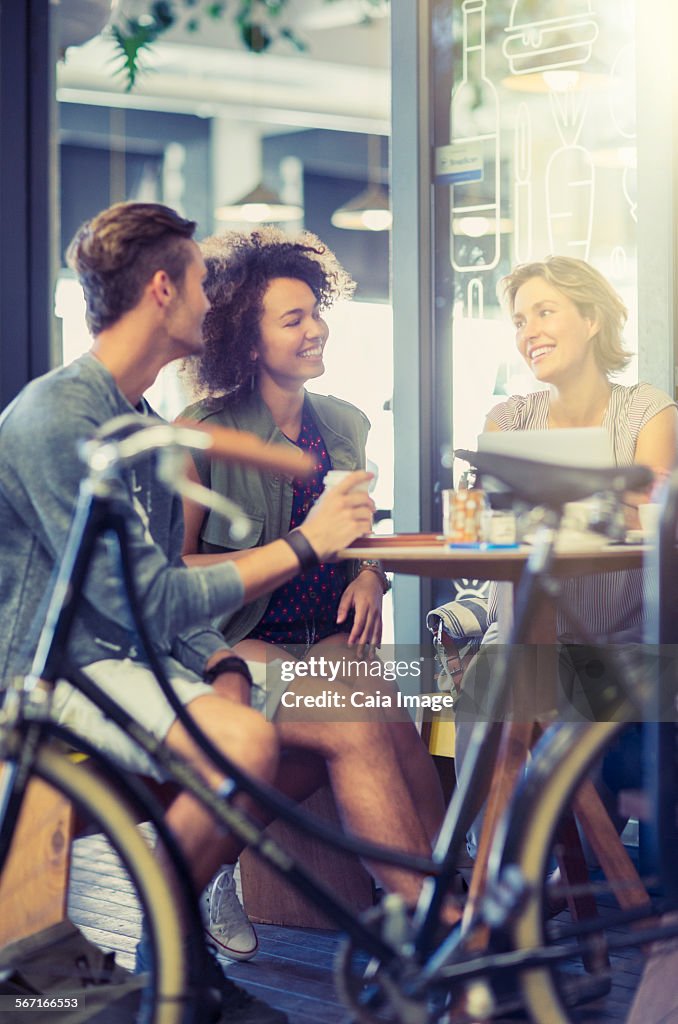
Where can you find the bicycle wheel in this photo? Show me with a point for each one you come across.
(598, 960)
(106, 813)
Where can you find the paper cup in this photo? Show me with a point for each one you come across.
(648, 513)
(333, 477)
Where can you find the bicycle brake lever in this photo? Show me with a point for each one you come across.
(170, 471)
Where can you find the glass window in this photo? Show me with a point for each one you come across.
(535, 154)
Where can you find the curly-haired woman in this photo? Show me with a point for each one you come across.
(264, 338)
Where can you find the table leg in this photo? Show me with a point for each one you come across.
(605, 842)
(574, 874)
(513, 748)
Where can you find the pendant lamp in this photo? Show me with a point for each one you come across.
(369, 210)
(260, 206)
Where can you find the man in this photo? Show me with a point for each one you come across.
(142, 275)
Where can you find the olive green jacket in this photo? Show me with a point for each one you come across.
(267, 498)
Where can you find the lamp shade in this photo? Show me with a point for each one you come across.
(259, 206)
(368, 211)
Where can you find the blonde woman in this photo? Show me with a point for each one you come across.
(568, 324)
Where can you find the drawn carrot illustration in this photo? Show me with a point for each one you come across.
(570, 180)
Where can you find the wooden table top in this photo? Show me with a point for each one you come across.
(428, 555)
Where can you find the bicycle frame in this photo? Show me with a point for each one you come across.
(96, 515)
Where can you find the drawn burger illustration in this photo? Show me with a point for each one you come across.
(552, 42)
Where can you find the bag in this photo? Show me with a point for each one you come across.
(458, 628)
(59, 962)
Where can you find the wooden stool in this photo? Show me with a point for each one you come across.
(34, 884)
(268, 899)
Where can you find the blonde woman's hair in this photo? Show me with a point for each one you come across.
(592, 294)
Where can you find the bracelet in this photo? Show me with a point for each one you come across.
(230, 663)
(374, 565)
(303, 549)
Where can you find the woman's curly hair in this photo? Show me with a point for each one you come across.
(240, 266)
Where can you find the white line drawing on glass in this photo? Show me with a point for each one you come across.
(569, 107)
(622, 94)
(570, 179)
(475, 299)
(630, 190)
(551, 42)
(618, 261)
(480, 343)
(522, 188)
(622, 100)
(476, 202)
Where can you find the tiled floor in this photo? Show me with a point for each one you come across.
(293, 970)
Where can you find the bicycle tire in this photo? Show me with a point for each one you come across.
(111, 816)
(564, 762)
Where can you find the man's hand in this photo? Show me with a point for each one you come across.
(339, 517)
(335, 520)
(364, 594)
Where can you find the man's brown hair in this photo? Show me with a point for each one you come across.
(117, 253)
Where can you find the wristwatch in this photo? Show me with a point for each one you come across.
(374, 565)
(229, 663)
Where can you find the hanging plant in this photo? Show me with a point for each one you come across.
(259, 23)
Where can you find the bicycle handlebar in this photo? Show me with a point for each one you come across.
(249, 450)
(126, 438)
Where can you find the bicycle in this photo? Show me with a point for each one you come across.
(412, 977)
(108, 797)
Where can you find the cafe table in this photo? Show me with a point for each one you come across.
(428, 555)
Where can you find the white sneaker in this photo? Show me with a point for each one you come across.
(226, 923)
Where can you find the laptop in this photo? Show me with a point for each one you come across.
(588, 447)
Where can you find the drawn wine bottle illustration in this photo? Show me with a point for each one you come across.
(522, 186)
(474, 132)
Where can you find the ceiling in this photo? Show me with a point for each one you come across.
(342, 81)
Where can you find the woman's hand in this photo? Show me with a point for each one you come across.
(364, 594)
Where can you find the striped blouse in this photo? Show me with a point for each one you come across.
(608, 602)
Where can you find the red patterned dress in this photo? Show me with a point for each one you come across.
(304, 610)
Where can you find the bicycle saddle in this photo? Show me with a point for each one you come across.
(552, 485)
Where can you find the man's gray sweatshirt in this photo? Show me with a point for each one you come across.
(40, 473)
